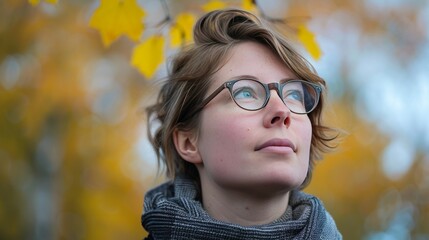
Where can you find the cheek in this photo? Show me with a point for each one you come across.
(222, 139)
(221, 132)
(305, 135)
(308, 133)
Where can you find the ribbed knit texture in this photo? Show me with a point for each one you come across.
(172, 211)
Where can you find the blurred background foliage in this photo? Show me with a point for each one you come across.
(75, 162)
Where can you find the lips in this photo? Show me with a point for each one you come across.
(276, 142)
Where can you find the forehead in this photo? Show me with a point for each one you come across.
(254, 59)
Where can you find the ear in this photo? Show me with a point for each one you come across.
(186, 145)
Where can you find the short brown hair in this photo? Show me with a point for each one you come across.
(193, 68)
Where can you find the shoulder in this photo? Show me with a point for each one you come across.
(330, 230)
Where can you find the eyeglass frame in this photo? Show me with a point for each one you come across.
(267, 86)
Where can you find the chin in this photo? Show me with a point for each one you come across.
(285, 180)
(287, 185)
(274, 185)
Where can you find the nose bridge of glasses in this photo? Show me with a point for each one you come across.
(275, 86)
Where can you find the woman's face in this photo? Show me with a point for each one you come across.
(264, 151)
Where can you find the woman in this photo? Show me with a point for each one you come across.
(239, 133)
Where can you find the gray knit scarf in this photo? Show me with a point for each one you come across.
(172, 211)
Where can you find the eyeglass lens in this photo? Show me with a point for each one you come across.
(299, 96)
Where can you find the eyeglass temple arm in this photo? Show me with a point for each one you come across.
(207, 100)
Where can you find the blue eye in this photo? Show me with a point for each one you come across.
(294, 95)
(244, 93)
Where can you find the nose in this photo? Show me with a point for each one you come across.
(276, 112)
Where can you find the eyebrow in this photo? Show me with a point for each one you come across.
(287, 80)
(241, 77)
(251, 77)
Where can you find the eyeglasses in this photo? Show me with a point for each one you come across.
(301, 97)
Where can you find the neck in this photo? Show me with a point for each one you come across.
(246, 209)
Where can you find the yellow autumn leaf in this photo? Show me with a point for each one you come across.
(213, 5)
(114, 18)
(307, 38)
(35, 2)
(181, 30)
(175, 36)
(248, 5)
(148, 55)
